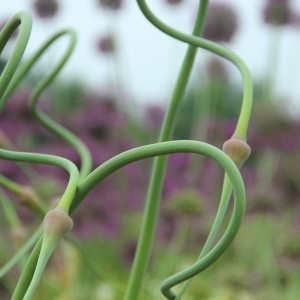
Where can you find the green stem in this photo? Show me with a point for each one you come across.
(127, 157)
(164, 148)
(10, 185)
(207, 259)
(150, 216)
(243, 121)
(47, 248)
(50, 124)
(68, 195)
(224, 201)
(90, 264)
(24, 21)
(26, 276)
(22, 251)
(35, 205)
(9, 211)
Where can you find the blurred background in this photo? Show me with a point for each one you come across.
(113, 94)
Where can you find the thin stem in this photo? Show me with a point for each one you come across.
(125, 158)
(20, 254)
(153, 197)
(47, 248)
(164, 148)
(67, 196)
(26, 276)
(243, 121)
(219, 248)
(24, 21)
(47, 122)
(9, 211)
(242, 124)
(224, 201)
(34, 204)
(10, 185)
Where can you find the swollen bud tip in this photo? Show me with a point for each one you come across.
(238, 150)
(56, 223)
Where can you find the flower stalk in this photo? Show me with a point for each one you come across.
(57, 221)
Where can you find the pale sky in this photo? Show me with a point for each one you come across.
(148, 60)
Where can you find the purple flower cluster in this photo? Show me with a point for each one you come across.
(46, 8)
(221, 22)
(111, 4)
(106, 44)
(278, 12)
(173, 2)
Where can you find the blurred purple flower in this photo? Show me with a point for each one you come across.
(216, 69)
(99, 116)
(173, 2)
(221, 22)
(278, 12)
(274, 130)
(20, 128)
(46, 8)
(106, 44)
(111, 4)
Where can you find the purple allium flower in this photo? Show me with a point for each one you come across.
(46, 8)
(173, 2)
(106, 44)
(221, 22)
(278, 12)
(99, 116)
(274, 130)
(216, 69)
(111, 4)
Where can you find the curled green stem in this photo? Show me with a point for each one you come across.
(21, 252)
(153, 197)
(243, 121)
(164, 148)
(10, 185)
(46, 121)
(22, 20)
(127, 157)
(67, 196)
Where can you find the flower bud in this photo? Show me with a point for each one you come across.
(238, 150)
(19, 236)
(221, 22)
(56, 223)
(46, 8)
(31, 200)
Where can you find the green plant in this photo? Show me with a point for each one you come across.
(57, 221)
